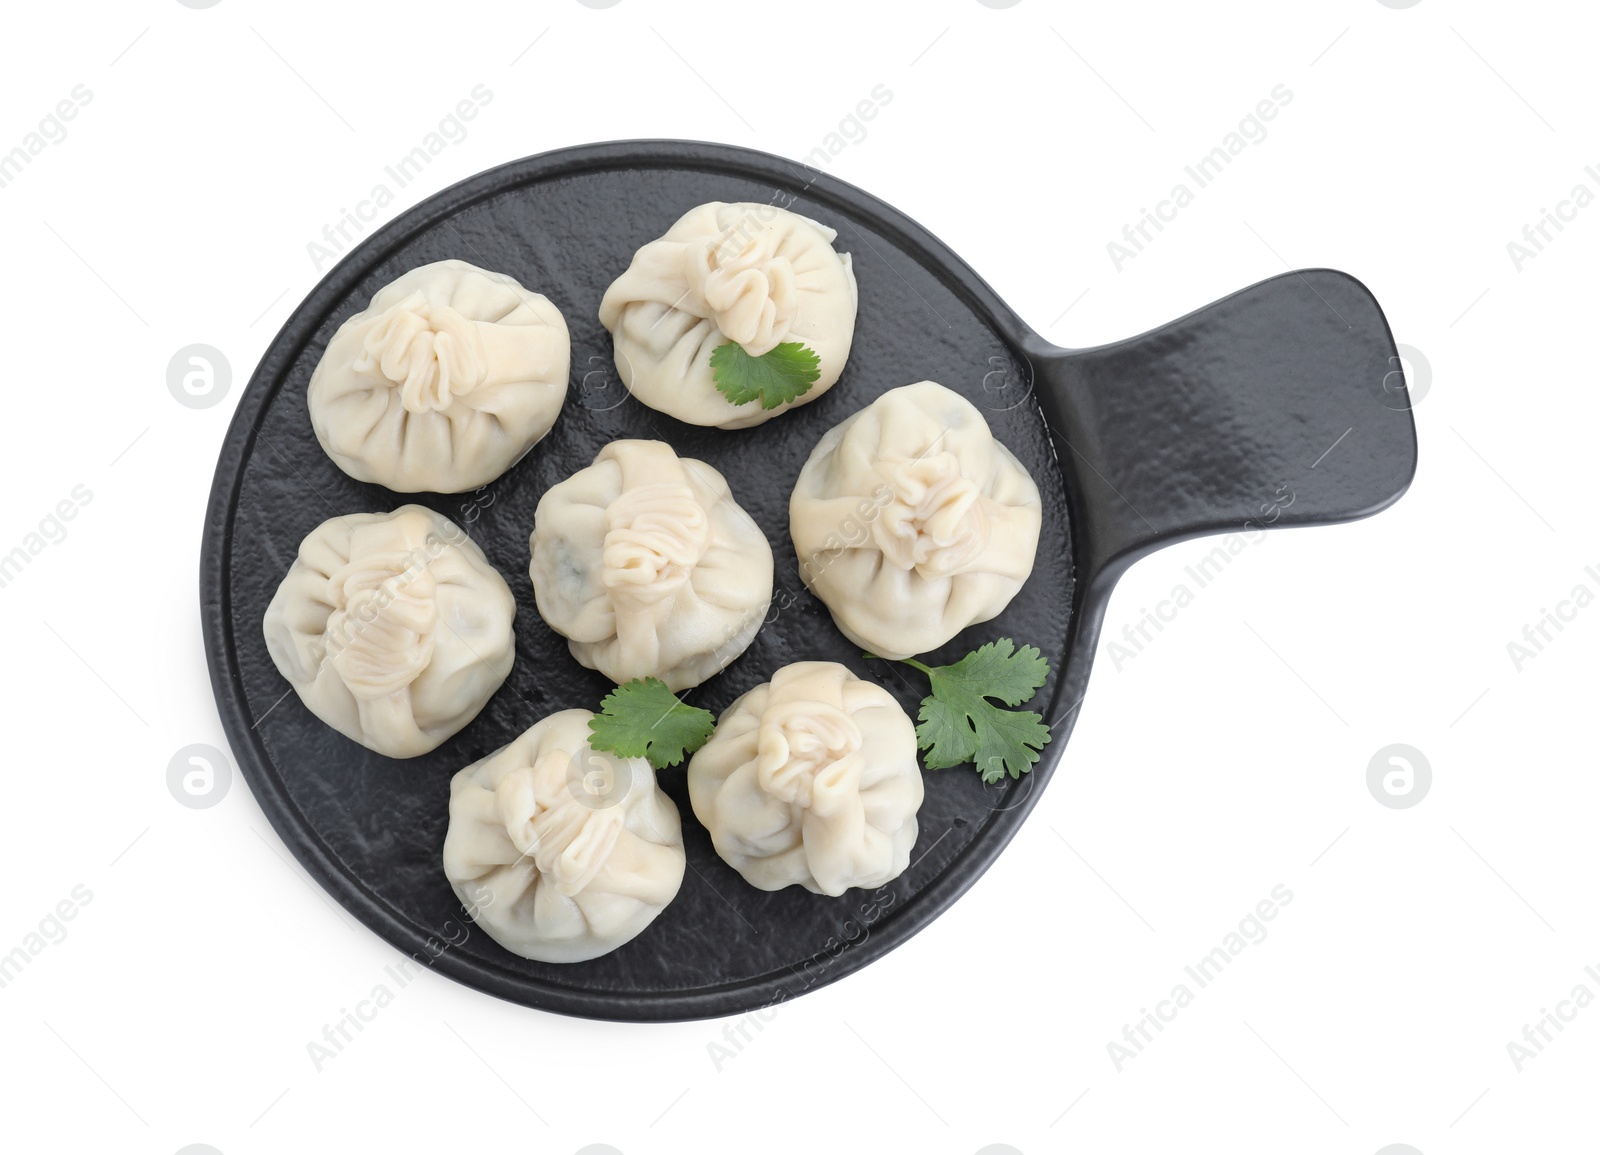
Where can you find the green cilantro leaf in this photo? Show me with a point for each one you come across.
(1009, 742)
(774, 378)
(644, 719)
(959, 723)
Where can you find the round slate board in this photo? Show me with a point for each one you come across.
(565, 224)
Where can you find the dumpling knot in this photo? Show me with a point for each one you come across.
(655, 535)
(748, 288)
(934, 521)
(380, 636)
(431, 353)
(801, 751)
(569, 842)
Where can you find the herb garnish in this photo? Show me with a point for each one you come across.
(644, 719)
(775, 378)
(958, 723)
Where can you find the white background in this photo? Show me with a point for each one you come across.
(1229, 757)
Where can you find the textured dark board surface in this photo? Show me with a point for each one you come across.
(1180, 432)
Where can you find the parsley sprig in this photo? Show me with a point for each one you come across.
(775, 378)
(644, 719)
(958, 723)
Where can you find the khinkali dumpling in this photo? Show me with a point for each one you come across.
(393, 628)
(449, 376)
(911, 522)
(750, 273)
(562, 852)
(648, 567)
(811, 778)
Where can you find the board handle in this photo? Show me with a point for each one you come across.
(1281, 405)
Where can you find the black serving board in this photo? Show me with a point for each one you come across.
(1186, 430)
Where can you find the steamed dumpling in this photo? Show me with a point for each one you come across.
(911, 522)
(750, 273)
(811, 779)
(648, 567)
(562, 852)
(449, 376)
(393, 628)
